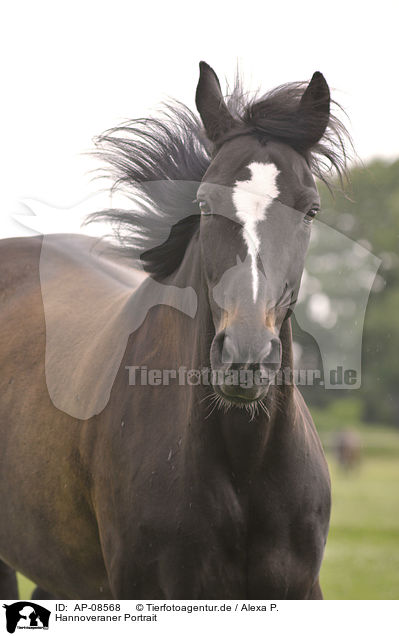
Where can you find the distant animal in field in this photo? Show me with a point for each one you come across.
(348, 449)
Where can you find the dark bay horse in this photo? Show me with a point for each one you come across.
(164, 489)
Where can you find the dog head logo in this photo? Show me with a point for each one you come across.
(26, 615)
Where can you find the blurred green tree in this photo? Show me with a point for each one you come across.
(367, 213)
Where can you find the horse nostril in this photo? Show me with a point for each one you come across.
(223, 348)
(245, 352)
(227, 350)
(271, 353)
(267, 350)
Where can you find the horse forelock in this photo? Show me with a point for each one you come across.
(160, 161)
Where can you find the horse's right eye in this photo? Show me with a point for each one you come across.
(204, 207)
(310, 215)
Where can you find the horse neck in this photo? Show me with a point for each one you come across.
(230, 437)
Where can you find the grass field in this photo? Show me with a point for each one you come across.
(362, 555)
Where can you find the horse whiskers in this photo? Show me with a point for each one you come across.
(253, 409)
(218, 402)
(209, 396)
(223, 403)
(214, 403)
(264, 408)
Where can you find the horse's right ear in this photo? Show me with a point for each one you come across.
(314, 110)
(211, 106)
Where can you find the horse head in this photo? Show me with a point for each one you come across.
(257, 200)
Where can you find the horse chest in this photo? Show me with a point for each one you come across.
(232, 546)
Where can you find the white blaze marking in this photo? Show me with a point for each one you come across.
(252, 199)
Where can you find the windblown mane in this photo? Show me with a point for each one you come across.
(160, 161)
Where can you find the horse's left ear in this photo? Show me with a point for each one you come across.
(314, 110)
(211, 106)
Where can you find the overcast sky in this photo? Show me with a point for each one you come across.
(71, 70)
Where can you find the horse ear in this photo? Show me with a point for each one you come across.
(314, 110)
(211, 106)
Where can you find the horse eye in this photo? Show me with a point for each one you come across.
(204, 207)
(309, 216)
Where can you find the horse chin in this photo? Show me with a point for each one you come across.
(242, 397)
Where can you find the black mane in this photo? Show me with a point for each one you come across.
(159, 163)
(274, 117)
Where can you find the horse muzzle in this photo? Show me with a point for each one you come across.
(245, 365)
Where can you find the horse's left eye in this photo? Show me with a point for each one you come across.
(204, 207)
(309, 216)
